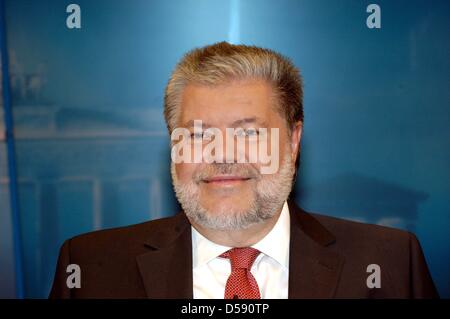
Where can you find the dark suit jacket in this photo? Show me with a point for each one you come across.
(328, 259)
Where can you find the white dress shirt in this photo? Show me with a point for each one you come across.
(270, 269)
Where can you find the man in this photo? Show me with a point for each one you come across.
(238, 235)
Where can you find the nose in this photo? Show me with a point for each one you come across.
(232, 154)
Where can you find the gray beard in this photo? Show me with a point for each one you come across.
(269, 196)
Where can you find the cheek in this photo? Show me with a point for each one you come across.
(285, 149)
(185, 171)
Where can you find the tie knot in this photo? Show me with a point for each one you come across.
(241, 257)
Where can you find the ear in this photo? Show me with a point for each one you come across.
(296, 136)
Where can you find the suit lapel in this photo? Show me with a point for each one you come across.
(166, 270)
(314, 269)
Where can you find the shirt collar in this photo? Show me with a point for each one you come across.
(204, 250)
(275, 244)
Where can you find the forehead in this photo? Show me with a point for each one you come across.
(228, 103)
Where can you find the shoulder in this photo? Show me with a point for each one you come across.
(396, 253)
(351, 231)
(122, 240)
(366, 244)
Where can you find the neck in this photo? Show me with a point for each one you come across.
(240, 237)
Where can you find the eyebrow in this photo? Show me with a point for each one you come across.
(237, 123)
(249, 120)
(191, 124)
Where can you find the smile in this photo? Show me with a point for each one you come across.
(225, 180)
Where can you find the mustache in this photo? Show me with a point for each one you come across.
(236, 169)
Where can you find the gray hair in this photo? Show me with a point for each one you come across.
(223, 62)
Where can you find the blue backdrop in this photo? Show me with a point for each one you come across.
(92, 151)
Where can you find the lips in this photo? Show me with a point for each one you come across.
(225, 179)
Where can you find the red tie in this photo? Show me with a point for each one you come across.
(241, 284)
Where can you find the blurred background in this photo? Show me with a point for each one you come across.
(89, 150)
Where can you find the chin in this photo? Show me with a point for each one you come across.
(226, 205)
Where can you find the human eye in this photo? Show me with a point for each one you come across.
(197, 136)
(251, 132)
(247, 133)
(240, 132)
(201, 136)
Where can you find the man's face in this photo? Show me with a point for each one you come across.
(231, 195)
